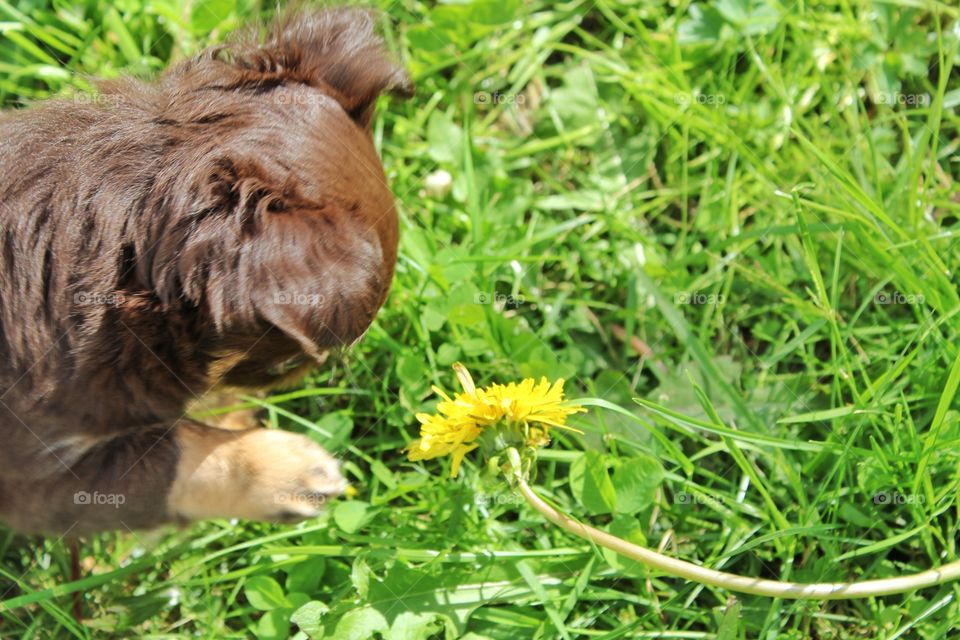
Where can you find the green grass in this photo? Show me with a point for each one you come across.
(735, 220)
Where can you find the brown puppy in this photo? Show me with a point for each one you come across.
(221, 226)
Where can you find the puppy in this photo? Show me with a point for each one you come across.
(223, 226)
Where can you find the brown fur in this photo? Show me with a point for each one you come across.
(165, 238)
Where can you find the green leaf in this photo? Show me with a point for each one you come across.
(350, 515)
(333, 431)
(416, 604)
(309, 618)
(415, 626)
(273, 625)
(628, 528)
(591, 483)
(702, 27)
(265, 593)
(411, 369)
(577, 102)
(360, 624)
(489, 13)
(207, 15)
(305, 576)
(749, 16)
(636, 482)
(444, 139)
(297, 599)
(466, 22)
(729, 628)
(383, 474)
(447, 354)
(360, 576)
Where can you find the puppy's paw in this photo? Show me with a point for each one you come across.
(291, 477)
(258, 474)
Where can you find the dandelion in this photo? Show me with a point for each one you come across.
(525, 411)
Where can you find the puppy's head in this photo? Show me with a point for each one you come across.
(281, 230)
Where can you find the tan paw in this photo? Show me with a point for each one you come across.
(257, 474)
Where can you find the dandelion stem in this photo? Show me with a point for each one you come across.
(733, 582)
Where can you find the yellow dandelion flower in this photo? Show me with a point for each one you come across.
(532, 406)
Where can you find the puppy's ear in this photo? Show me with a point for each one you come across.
(341, 48)
(336, 50)
(252, 254)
